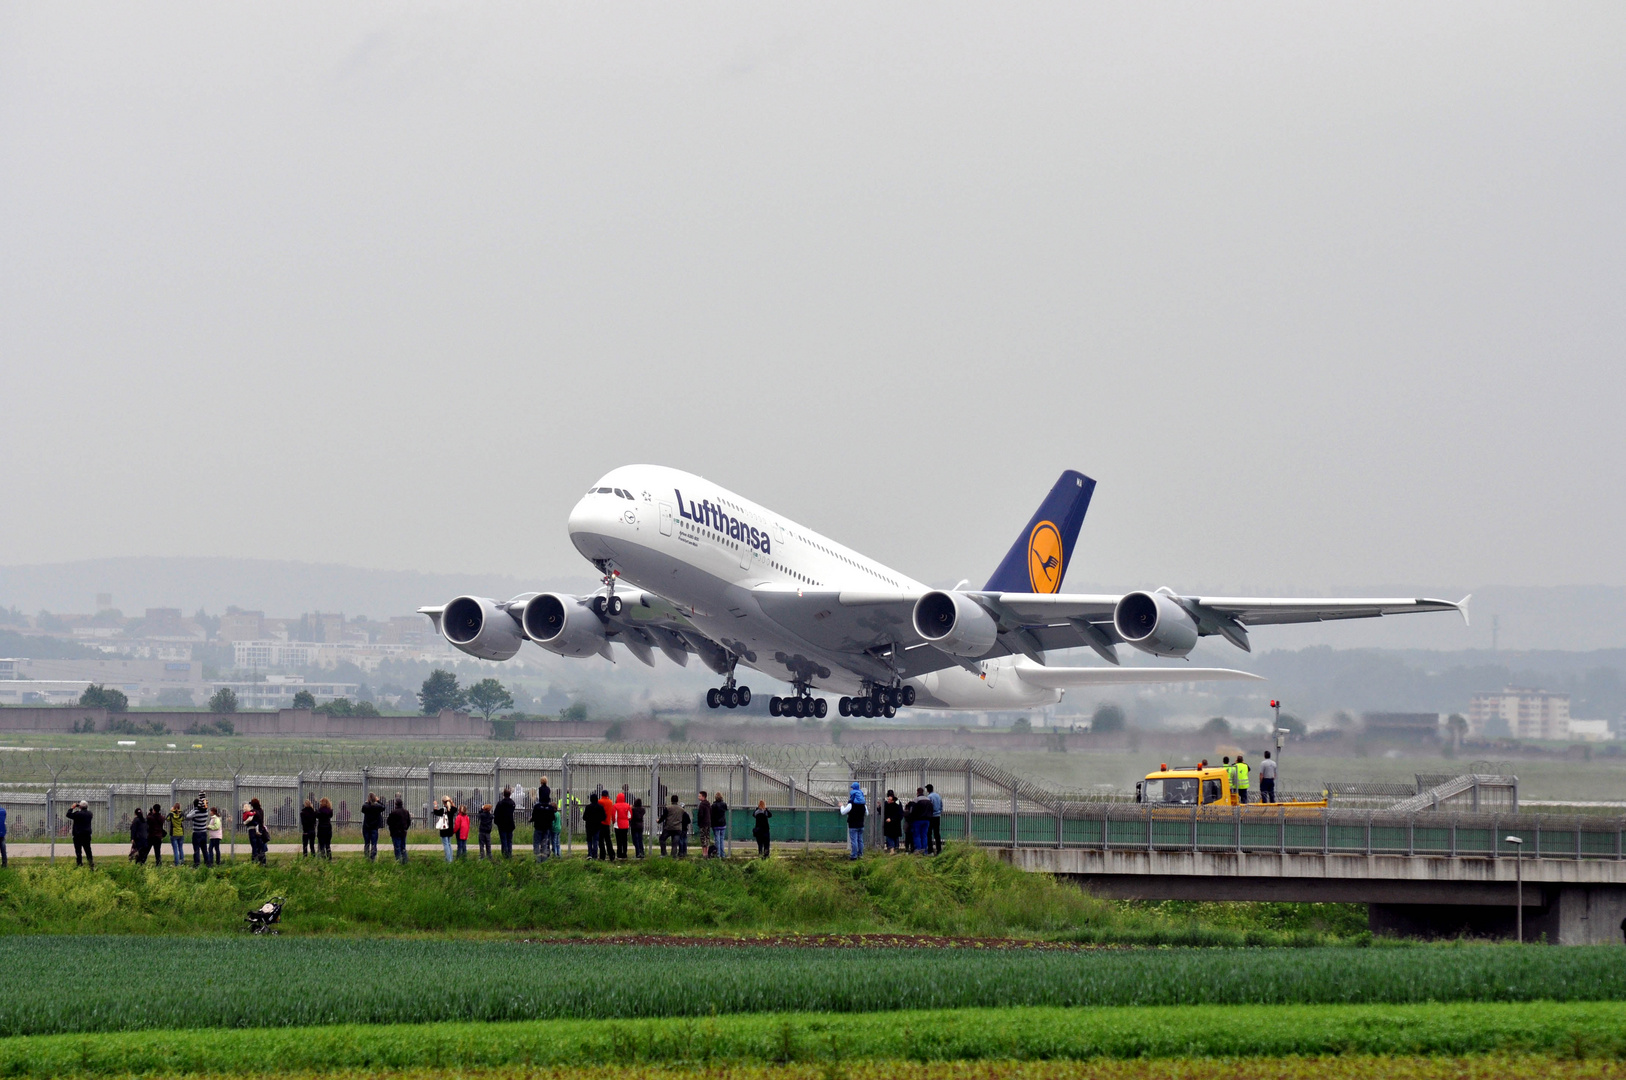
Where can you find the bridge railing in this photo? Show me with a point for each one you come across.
(1118, 826)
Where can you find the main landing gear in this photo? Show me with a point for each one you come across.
(802, 706)
(728, 697)
(880, 701)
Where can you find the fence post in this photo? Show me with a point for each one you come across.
(1369, 834)
(431, 786)
(1149, 846)
(1281, 827)
(1577, 841)
(299, 796)
(1061, 816)
(1411, 836)
(1538, 838)
(1013, 819)
(968, 804)
(236, 814)
(807, 811)
(1453, 836)
(1194, 828)
(1326, 849)
(745, 784)
(1237, 810)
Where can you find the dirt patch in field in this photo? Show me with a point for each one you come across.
(823, 941)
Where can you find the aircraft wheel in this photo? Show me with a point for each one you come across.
(869, 708)
(890, 712)
(820, 708)
(714, 697)
(599, 605)
(802, 710)
(845, 706)
(745, 696)
(615, 605)
(731, 697)
(773, 706)
(908, 695)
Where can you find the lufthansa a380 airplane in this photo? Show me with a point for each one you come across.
(689, 567)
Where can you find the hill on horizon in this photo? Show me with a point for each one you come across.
(278, 588)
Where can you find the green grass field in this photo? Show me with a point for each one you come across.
(837, 1041)
(964, 891)
(79, 984)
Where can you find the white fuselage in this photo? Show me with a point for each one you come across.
(706, 549)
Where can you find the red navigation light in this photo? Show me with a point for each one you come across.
(1275, 704)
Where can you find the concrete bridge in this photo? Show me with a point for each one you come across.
(1567, 901)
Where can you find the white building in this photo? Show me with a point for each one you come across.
(1590, 730)
(277, 691)
(1529, 714)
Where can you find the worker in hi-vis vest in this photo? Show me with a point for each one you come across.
(1241, 779)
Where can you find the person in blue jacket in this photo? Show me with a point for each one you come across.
(855, 821)
(2, 838)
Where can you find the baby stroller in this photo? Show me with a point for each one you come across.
(267, 915)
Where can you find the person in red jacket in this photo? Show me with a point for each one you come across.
(605, 851)
(460, 829)
(623, 823)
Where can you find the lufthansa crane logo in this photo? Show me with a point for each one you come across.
(1044, 558)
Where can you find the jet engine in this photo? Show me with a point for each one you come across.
(480, 628)
(1155, 623)
(955, 623)
(563, 625)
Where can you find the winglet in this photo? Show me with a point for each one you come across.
(1462, 606)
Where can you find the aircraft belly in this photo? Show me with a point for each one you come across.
(726, 612)
(956, 688)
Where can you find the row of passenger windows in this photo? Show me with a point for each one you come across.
(849, 561)
(798, 576)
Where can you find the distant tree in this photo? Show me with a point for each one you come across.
(1022, 724)
(1107, 717)
(176, 697)
(364, 708)
(304, 699)
(488, 696)
(339, 706)
(614, 732)
(440, 691)
(97, 696)
(1216, 726)
(224, 701)
(1295, 727)
(575, 713)
(1457, 726)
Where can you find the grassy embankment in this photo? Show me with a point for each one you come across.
(836, 1042)
(963, 892)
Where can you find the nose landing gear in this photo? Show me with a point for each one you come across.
(609, 603)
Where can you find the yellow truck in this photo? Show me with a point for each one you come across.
(1205, 785)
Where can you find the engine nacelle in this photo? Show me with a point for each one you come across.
(955, 623)
(1155, 623)
(480, 628)
(563, 625)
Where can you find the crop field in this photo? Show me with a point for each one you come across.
(1333, 1067)
(237, 983)
(840, 1042)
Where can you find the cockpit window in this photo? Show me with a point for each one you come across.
(605, 491)
(623, 494)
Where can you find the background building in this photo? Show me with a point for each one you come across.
(1528, 714)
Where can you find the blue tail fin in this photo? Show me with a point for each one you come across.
(1041, 555)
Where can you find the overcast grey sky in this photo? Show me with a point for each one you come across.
(1320, 294)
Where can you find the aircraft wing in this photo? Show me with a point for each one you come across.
(1264, 611)
(1060, 678)
(878, 625)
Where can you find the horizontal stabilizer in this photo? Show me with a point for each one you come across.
(1054, 678)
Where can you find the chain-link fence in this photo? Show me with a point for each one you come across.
(980, 801)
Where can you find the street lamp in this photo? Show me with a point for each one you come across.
(1518, 865)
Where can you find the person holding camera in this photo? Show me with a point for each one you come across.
(81, 817)
(197, 819)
